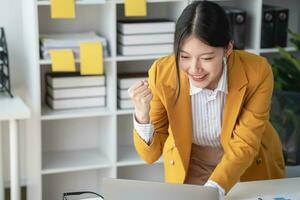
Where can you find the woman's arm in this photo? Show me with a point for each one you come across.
(245, 140)
(158, 118)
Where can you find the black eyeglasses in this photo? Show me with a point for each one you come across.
(66, 194)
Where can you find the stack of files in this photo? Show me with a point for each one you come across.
(70, 41)
(125, 81)
(142, 37)
(72, 90)
(274, 26)
(237, 19)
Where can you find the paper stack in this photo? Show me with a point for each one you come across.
(125, 81)
(72, 90)
(142, 37)
(70, 41)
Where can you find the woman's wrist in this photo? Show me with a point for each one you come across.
(142, 118)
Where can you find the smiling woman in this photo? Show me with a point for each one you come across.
(206, 107)
(202, 63)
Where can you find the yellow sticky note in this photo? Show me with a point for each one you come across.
(135, 8)
(62, 9)
(91, 58)
(62, 60)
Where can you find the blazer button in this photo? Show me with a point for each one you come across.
(258, 161)
(172, 162)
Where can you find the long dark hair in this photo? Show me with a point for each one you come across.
(204, 20)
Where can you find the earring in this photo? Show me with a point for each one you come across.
(225, 60)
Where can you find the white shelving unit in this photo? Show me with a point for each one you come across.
(73, 150)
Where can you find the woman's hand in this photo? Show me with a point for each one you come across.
(141, 96)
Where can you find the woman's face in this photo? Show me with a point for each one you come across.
(202, 63)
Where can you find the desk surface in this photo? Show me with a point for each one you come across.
(12, 108)
(266, 188)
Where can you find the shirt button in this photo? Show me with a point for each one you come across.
(173, 146)
(172, 162)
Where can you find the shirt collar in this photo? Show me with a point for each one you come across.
(222, 84)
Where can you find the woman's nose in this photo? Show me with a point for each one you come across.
(195, 66)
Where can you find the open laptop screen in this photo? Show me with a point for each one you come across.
(121, 189)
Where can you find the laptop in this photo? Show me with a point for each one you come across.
(122, 189)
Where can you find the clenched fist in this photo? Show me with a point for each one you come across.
(141, 96)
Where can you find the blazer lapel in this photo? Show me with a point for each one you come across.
(236, 91)
(180, 115)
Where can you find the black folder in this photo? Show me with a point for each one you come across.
(274, 26)
(281, 26)
(237, 20)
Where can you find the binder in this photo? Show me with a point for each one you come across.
(281, 26)
(267, 27)
(237, 19)
(274, 26)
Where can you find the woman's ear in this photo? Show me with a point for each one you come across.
(229, 48)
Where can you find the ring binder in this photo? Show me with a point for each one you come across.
(237, 19)
(274, 26)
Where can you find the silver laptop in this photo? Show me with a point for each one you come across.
(121, 189)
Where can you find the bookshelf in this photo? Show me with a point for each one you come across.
(71, 150)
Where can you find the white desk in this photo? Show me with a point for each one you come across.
(265, 189)
(12, 110)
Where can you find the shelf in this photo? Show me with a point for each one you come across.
(125, 112)
(70, 161)
(275, 50)
(251, 51)
(142, 57)
(49, 114)
(48, 61)
(129, 157)
(153, 1)
(78, 2)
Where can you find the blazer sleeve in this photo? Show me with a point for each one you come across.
(247, 134)
(158, 117)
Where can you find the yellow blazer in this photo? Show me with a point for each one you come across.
(252, 149)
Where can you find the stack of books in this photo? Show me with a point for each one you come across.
(125, 81)
(69, 41)
(142, 37)
(72, 90)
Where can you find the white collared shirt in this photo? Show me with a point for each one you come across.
(207, 111)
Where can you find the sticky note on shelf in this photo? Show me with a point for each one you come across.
(62, 60)
(91, 58)
(135, 8)
(62, 9)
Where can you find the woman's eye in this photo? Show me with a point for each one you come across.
(207, 58)
(184, 57)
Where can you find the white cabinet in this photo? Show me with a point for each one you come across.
(71, 150)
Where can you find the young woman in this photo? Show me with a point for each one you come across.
(206, 108)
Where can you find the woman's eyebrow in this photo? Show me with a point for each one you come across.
(205, 53)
